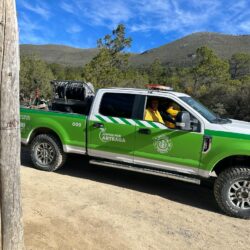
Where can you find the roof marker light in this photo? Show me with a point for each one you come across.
(158, 87)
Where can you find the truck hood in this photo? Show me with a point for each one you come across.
(236, 126)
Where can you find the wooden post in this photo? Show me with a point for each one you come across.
(10, 200)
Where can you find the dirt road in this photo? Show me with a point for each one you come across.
(84, 207)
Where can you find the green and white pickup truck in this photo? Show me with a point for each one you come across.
(113, 133)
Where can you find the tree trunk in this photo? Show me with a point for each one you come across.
(10, 200)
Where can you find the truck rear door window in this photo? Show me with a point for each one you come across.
(117, 105)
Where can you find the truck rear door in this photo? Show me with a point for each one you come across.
(111, 128)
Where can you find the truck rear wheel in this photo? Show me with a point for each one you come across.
(232, 191)
(47, 153)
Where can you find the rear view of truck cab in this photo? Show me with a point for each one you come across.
(162, 132)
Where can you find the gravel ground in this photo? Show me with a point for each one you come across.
(90, 207)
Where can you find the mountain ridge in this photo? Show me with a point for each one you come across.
(180, 52)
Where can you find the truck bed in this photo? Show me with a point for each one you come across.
(69, 127)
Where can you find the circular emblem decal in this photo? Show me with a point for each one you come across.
(162, 144)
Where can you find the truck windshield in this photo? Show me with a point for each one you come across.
(205, 112)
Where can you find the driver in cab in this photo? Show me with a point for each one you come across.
(172, 110)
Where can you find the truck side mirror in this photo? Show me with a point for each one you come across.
(183, 121)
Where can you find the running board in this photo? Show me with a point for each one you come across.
(146, 171)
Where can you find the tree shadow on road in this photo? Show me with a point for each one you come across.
(177, 191)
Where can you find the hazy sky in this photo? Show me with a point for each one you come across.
(150, 23)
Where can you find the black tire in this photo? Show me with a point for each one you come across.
(232, 191)
(47, 153)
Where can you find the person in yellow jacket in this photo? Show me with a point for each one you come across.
(173, 112)
(152, 113)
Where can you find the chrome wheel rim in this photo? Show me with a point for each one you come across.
(44, 153)
(239, 194)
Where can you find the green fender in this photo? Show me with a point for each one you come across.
(222, 149)
(53, 125)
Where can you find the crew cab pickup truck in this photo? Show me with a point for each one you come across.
(113, 133)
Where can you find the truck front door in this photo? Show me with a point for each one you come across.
(162, 147)
(111, 129)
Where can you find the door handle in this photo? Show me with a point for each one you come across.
(98, 125)
(145, 131)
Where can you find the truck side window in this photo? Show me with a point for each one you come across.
(165, 110)
(117, 105)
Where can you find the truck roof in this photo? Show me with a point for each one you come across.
(145, 91)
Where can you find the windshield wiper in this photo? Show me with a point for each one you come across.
(220, 120)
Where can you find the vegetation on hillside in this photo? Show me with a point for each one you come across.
(223, 85)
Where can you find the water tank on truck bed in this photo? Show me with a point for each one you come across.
(72, 96)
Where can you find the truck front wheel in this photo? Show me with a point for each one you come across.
(232, 191)
(47, 153)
